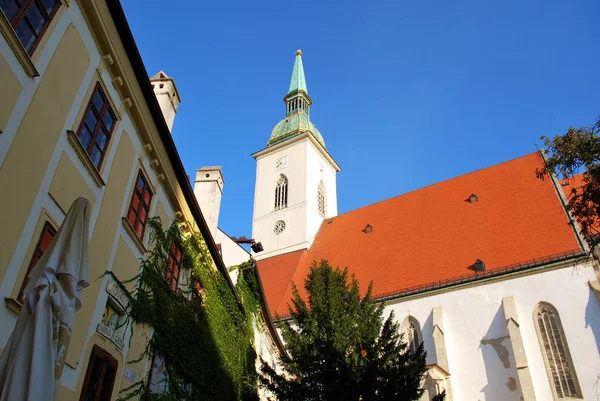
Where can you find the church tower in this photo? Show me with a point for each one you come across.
(295, 177)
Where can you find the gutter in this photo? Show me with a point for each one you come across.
(118, 16)
(457, 282)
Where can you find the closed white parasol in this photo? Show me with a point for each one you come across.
(32, 361)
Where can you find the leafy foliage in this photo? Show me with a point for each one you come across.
(339, 349)
(578, 151)
(206, 341)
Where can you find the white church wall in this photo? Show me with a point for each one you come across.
(480, 358)
(294, 235)
(319, 170)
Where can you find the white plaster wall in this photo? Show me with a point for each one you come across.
(318, 170)
(294, 236)
(475, 314)
(208, 194)
(232, 253)
(164, 100)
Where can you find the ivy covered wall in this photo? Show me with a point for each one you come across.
(205, 336)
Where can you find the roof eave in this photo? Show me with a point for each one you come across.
(141, 75)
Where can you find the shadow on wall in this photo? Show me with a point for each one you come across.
(428, 339)
(499, 361)
(592, 311)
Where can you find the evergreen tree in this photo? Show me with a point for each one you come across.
(340, 348)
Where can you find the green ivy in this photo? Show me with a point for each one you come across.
(207, 343)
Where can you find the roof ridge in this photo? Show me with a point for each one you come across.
(438, 183)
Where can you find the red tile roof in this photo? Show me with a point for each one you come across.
(276, 274)
(435, 233)
(577, 181)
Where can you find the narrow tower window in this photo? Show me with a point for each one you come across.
(411, 329)
(555, 349)
(281, 193)
(321, 199)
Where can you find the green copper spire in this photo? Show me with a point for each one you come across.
(297, 109)
(298, 81)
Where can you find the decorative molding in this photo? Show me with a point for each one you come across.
(516, 342)
(118, 294)
(113, 335)
(14, 43)
(119, 300)
(85, 158)
(161, 176)
(105, 62)
(436, 380)
(154, 163)
(136, 240)
(117, 81)
(125, 105)
(185, 227)
(148, 147)
(13, 305)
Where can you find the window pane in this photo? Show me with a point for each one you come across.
(91, 120)
(50, 5)
(101, 140)
(36, 18)
(46, 239)
(96, 155)
(140, 184)
(98, 100)
(139, 229)
(85, 136)
(131, 217)
(135, 202)
(142, 213)
(108, 120)
(9, 7)
(25, 34)
(147, 196)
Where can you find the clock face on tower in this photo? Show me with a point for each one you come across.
(281, 163)
(279, 227)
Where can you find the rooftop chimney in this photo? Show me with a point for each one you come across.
(208, 188)
(479, 266)
(167, 96)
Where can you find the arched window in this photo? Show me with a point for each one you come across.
(555, 349)
(412, 333)
(321, 199)
(281, 193)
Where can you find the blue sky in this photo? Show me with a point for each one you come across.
(406, 94)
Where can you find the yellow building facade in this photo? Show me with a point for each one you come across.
(79, 117)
